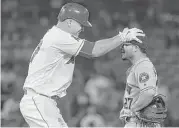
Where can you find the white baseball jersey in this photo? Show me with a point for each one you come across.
(52, 63)
(50, 73)
(140, 77)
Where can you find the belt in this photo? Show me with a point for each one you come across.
(33, 92)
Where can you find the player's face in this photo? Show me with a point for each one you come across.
(76, 27)
(126, 51)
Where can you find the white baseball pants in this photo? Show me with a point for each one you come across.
(41, 111)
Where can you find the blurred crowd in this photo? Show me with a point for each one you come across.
(95, 97)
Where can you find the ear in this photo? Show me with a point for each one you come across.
(136, 48)
(69, 23)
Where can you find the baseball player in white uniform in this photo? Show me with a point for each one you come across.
(141, 82)
(52, 64)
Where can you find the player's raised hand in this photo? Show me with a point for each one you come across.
(131, 34)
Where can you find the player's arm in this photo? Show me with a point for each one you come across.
(101, 47)
(147, 81)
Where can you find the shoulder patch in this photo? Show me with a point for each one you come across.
(143, 77)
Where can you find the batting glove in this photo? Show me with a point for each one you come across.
(125, 113)
(131, 34)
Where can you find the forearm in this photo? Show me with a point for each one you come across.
(143, 100)
(103, 46)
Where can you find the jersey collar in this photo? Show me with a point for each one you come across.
(137, 62)
(140, 60)
(60, 30)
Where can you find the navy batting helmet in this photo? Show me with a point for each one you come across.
(143, 45)
(76, 12)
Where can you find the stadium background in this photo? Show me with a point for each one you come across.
(95, 96)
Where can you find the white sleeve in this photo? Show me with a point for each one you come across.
(71, 47)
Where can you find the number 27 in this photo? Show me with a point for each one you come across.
(127, 102)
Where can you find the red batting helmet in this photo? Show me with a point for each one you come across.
(76, 12)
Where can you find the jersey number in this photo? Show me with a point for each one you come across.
(36, 51)
(127, 103)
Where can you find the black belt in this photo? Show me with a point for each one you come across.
(55, 97)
